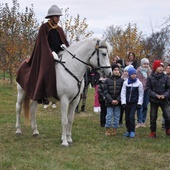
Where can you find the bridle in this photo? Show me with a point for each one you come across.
(97, 47)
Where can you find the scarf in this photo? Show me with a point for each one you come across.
(130, 80)
(53, 26)
(144, 72)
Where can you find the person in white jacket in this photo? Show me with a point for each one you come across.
(131, 100)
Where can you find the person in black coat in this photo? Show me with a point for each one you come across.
(132, 60)
(158, 88)
(112, 90)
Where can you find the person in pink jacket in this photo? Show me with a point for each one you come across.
(142, 73)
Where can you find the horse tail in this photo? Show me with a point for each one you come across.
(26, 110)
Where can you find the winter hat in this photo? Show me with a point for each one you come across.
(119, 62)
(127, 67)
(131, 71)
(157, 63)
(114, 66)
(144, 60)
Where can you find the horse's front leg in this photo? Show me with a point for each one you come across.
(64, 120)
(71, 112)
(33, 108)
(20, 98)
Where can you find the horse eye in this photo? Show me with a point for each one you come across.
(104, 54)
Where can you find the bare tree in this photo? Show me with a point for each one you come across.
(156, 44)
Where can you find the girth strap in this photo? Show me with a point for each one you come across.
(79, 82)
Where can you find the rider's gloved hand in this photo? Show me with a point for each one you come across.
(63, 46)
(55, 55)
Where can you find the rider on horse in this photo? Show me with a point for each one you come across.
(36, 75)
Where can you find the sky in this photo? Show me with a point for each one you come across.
(148, 15)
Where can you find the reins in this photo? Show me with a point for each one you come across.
(74, 56)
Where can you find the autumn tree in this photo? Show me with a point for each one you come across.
(125, 41)
(17, 36)
(74, 28)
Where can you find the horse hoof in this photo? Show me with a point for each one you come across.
(65, 144)
(18, 133)
(70, 143)
(35, 135)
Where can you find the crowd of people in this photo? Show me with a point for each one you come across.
(126, 94)
(129, 91)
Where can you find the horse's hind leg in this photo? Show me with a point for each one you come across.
(33, 118)
(20, 98)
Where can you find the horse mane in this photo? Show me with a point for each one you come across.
(92, 42)
(79, 43)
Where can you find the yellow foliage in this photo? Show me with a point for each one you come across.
(129, 40)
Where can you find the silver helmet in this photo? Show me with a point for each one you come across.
(54, 10)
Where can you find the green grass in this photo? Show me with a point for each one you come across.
(91, 149)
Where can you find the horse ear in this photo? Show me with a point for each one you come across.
(103, 41)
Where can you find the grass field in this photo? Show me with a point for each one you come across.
(91, 150)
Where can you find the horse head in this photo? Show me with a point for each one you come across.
(100, 57)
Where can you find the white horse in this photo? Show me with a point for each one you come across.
(69, 74)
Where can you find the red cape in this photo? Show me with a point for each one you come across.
(36, 75)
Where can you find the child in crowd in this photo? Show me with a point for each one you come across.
(167, 72)
(125, 72)
(143, 72)
(132, 60)
(95, 76)
(112, 89)
(120, 64)
(131, 100)
(158, 87)
(125, 77)
(102, 101)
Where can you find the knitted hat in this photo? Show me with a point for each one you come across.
(144, 60)
(131, 71)
(119, 62)
(127, 67)
(114, 66)
(157, 63)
